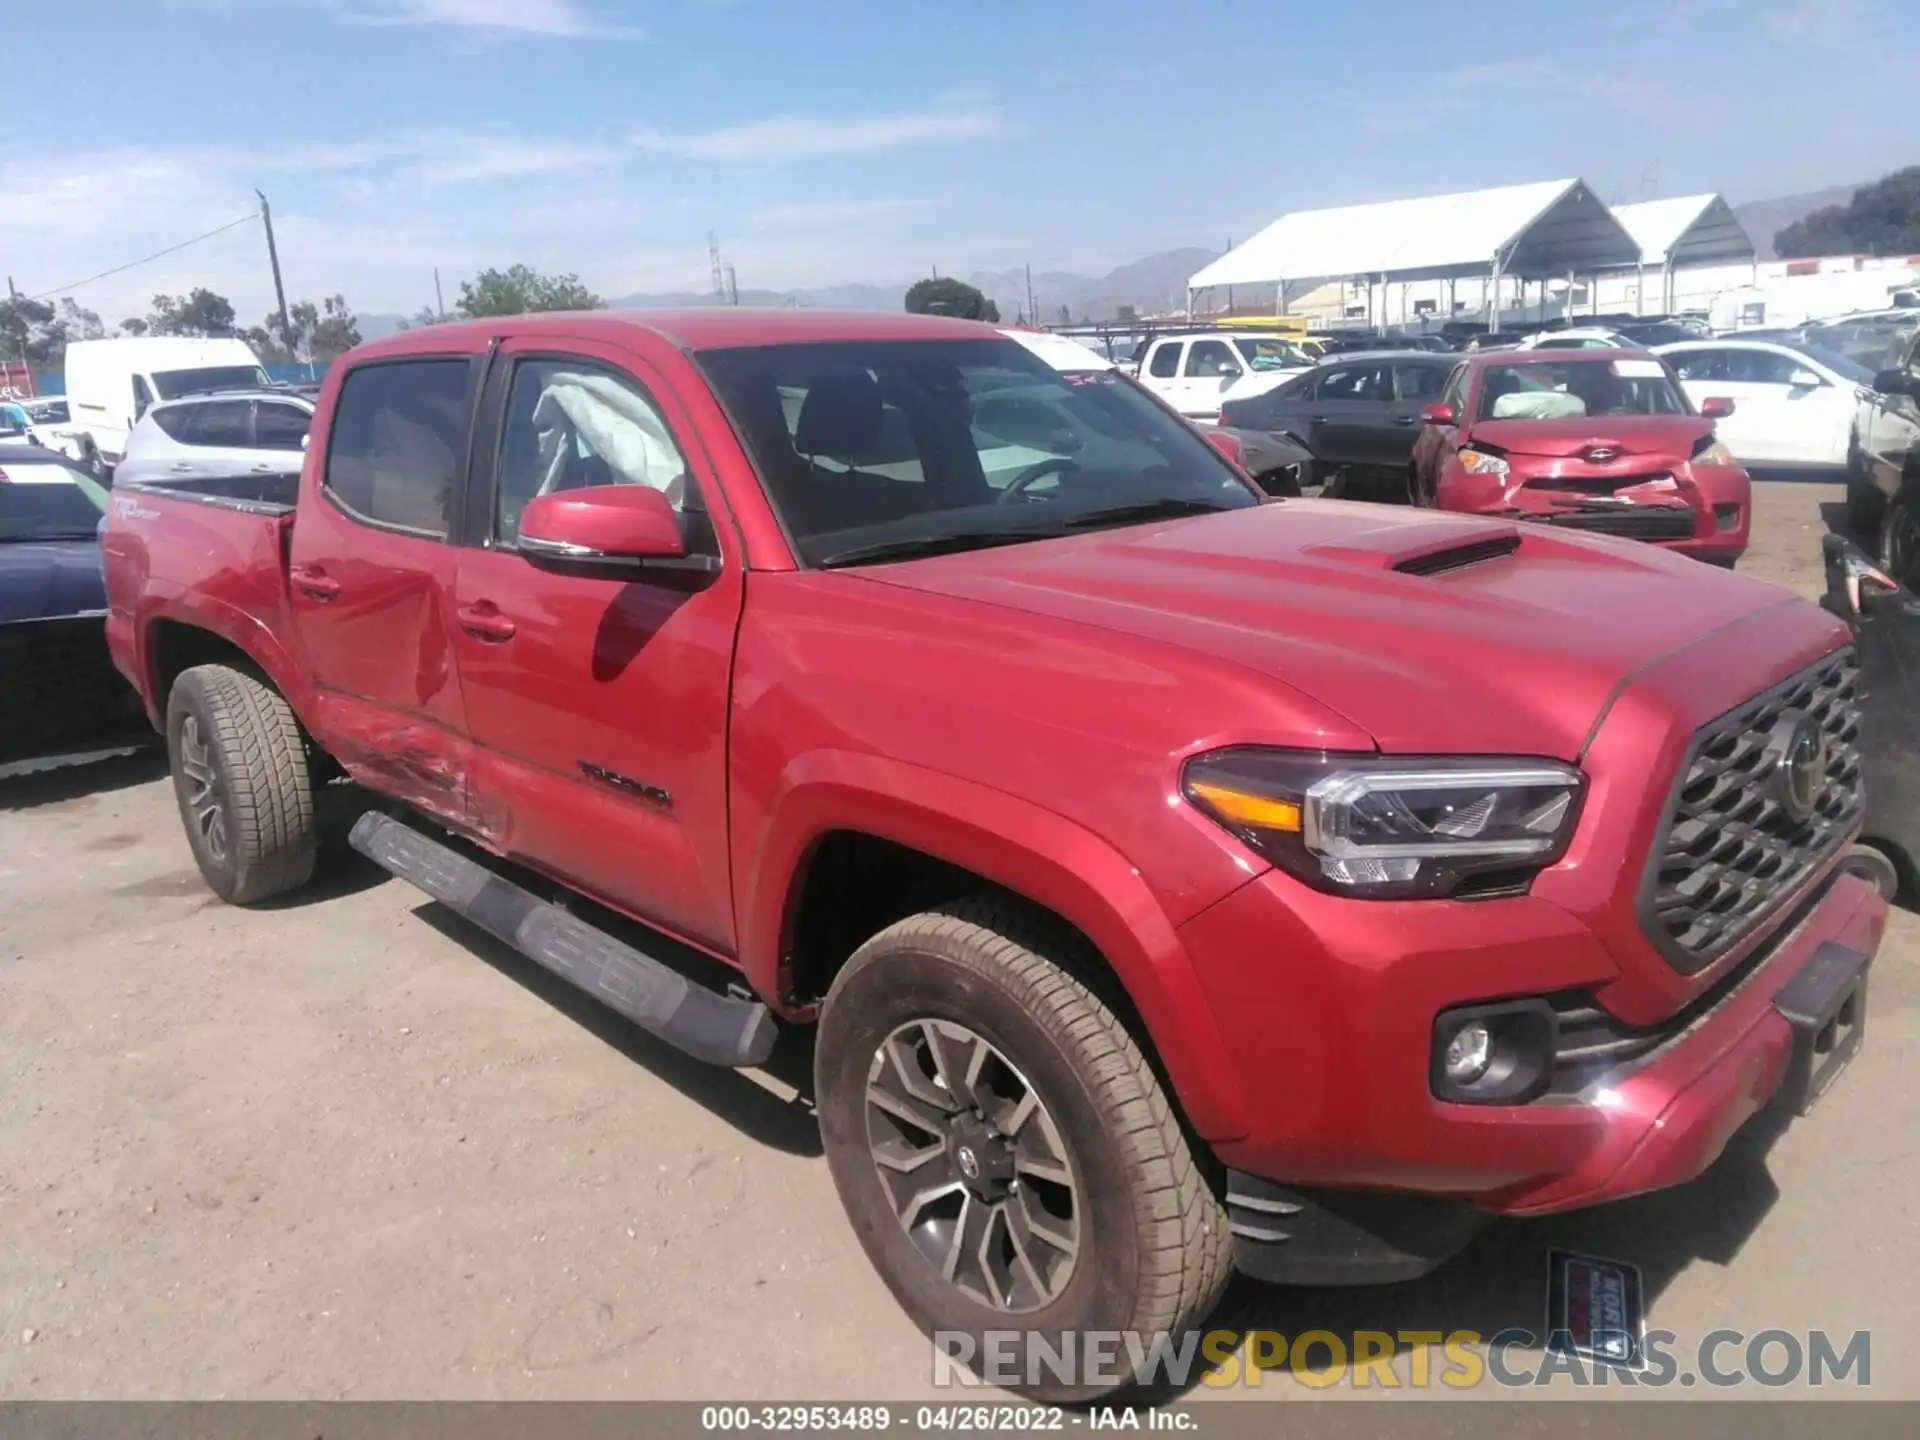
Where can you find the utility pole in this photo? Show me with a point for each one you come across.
(439, 300)
(1033, 315)
(273, 258)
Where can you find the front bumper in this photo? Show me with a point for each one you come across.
(1717, 501)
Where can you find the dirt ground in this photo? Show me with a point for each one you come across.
(352, 1148)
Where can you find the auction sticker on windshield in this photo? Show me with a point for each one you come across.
(1639, 369)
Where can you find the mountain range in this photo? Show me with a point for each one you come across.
(1154, 283)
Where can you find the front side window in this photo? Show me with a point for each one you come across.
(876, 450)
(1571, 390)
(1455, 393)
(573, 424)
(219, 424)
(398, 443)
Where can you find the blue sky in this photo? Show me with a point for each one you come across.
(834, 140)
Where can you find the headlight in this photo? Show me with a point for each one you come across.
(1716, 453)
(1389, 827)
(1479, 462)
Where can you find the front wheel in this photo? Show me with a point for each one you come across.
(1900, 536)
(241, 778)
(1004, 1150)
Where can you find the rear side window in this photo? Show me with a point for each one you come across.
(398, 443)
(175, 421)
(1418, 382)
(1166, 361)
(279, 427)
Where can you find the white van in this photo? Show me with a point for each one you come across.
(110, 384)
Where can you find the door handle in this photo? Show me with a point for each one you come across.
(1319, 420)
(314, 582)
(1403, 419)
(483, 621)
(181, 467)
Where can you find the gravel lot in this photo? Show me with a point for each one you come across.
(352, 1148)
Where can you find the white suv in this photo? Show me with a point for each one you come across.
(213, 436)
(1196, 373)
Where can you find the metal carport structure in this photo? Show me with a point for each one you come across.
(1550, 230)
(1686, 230)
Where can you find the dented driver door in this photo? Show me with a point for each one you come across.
(597, 703)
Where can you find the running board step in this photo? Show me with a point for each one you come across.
(707, 1025)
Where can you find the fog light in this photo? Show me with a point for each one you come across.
(1469, 1053)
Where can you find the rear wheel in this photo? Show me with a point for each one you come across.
(241, 778)
(1004, 1151)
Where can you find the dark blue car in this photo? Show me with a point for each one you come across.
(59, 692)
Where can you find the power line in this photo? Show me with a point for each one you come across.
(131, 264)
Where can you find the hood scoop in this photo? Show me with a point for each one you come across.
(1459, 557)
(1430, 548)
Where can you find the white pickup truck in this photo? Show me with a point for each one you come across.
(1196, 372)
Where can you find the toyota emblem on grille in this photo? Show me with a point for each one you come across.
(1600, 454)
(1802, 765)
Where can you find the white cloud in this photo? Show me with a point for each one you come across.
(792, 137)
(560, 19)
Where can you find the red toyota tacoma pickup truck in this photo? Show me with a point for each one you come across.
(1175, 879)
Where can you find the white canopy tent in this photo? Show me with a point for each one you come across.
(1686, 230)
(1553, 229)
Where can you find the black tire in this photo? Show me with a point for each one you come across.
(1899, 536)
(1865, 503)
(240, 775)
(1876, 867)
(1153, 1249)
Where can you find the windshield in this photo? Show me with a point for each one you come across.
(1264, 354)
(874, 450)
(45, 500)
(1849, 370)
(172, 384)
(1572, 390)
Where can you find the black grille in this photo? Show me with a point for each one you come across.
(1730, 849)
(1661, 522)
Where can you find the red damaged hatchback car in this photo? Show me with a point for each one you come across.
(1602, 441)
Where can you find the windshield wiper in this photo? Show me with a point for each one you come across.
(1163, 509)
(934, 545)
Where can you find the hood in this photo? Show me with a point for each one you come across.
(46, 579)
(1667, 437)
(1432, 633)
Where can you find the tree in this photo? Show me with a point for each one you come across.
(423, 317)
(1881, 219)
(519, 290)
(947, 296)
(134, 325)
(319, 332)
(39, 333)
(200, 312)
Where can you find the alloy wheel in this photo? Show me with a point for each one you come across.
(206, 802)
(973, 1165)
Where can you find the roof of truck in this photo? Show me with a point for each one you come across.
(715, 327)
